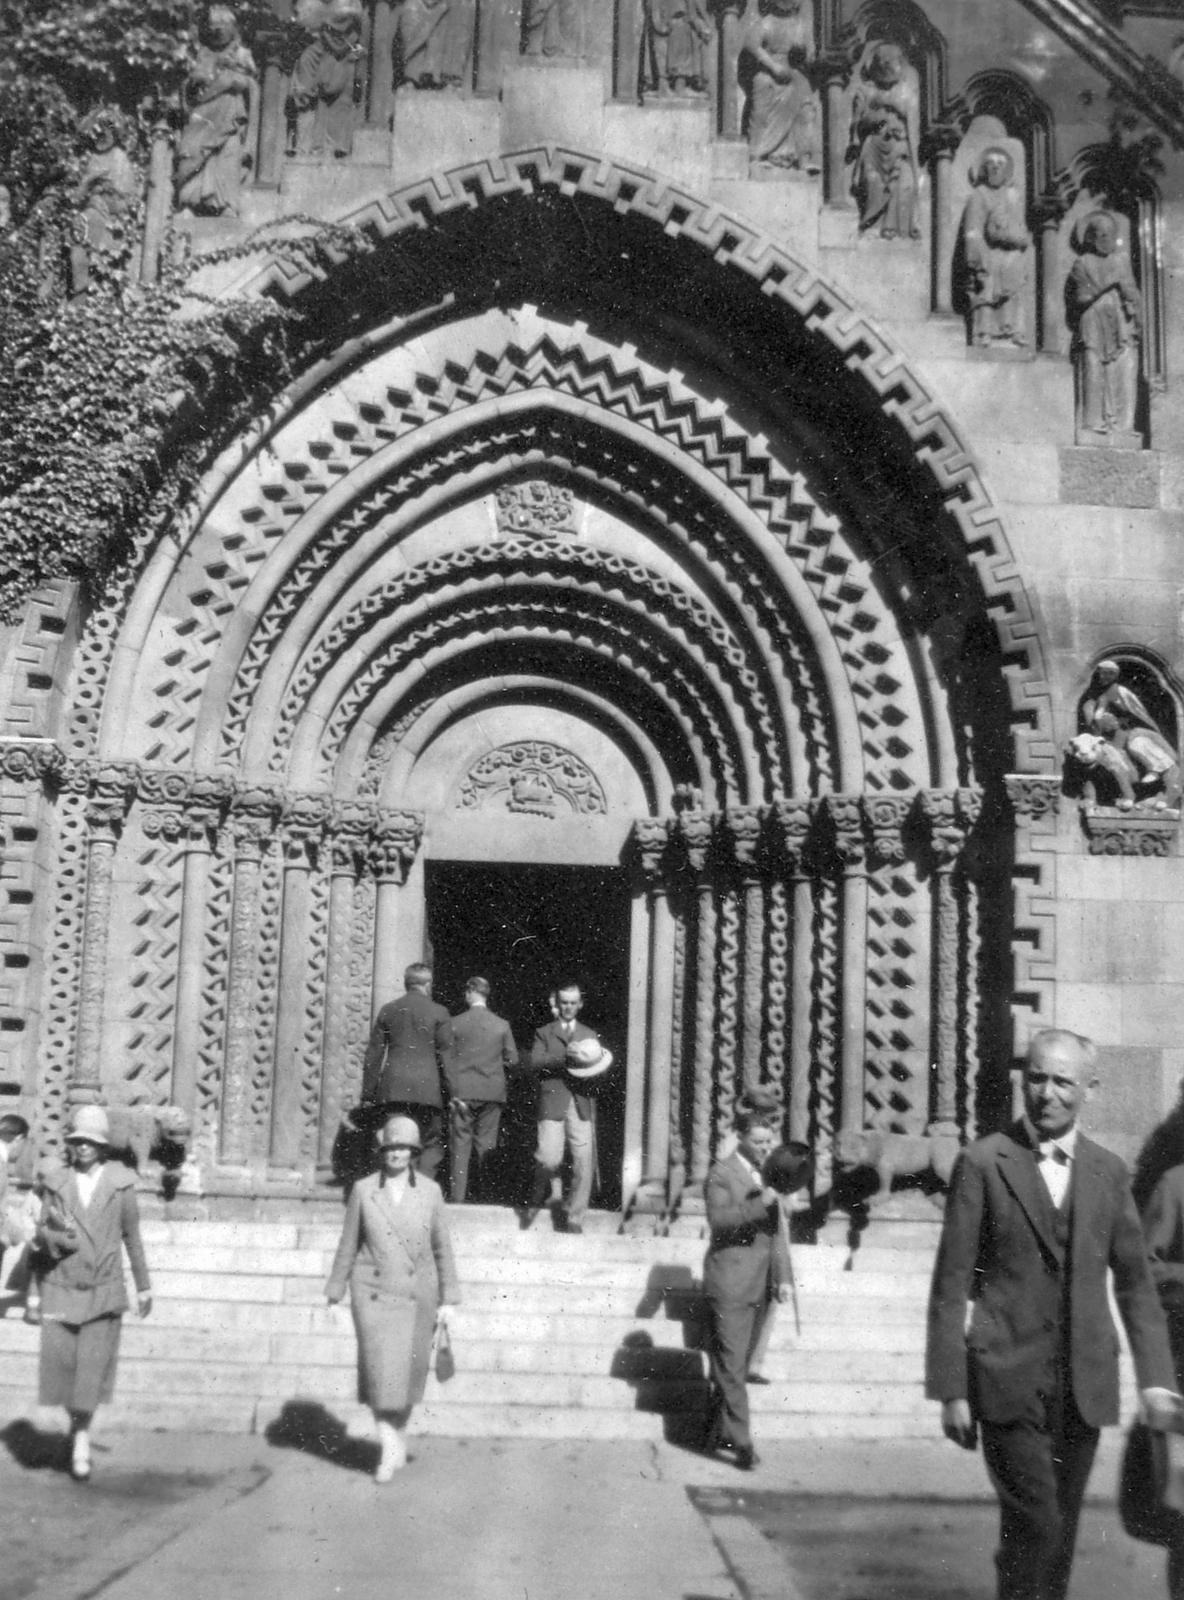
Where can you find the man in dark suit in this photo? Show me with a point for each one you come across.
(1035, 1217)
(403, 1074)
(747, 1262)
(565, 1115)
(483, 1051)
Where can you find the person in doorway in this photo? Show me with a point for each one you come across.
(747, 1264)
(566, 1112)
(404, 1067)
(483, 1052)
(1035, 1217)
(88, 1216)
(396, 1256)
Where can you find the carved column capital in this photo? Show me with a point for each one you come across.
(941, 142)
(349, 828)
(696, 831)
(109, 791)
(163, 786)
(792, 822)
(744, 828)
(302, 826)
(886, 815)
(253, 813)
(1033, 796)
(649, 840)
(394, 845)
(31, 760)
(946, 826)
(846, 816)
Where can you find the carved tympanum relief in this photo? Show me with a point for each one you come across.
(533, 779)
(537, 507)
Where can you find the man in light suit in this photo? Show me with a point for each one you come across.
(483, 1051)
(403, 1074)
(1035, 1217)
(565, 1115)
(747, 1263)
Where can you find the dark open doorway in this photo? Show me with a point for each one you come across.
(527, 929)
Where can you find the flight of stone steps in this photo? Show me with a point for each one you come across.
(598, 1336)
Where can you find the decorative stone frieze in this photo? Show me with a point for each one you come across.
(1033, 796)
(1126, 833)
(31, 760)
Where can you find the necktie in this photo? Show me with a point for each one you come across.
(1054, 1152)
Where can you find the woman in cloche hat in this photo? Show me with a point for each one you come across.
(396, 1255)
(88, 1212)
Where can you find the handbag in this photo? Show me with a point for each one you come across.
(1146, 1477)
(445, 1361)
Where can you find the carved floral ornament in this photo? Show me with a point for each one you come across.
(536, 507)
(533, 779)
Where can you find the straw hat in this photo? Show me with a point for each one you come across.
(587, 1058)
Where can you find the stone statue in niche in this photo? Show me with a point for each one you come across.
(1104, 308)
(783, 122)
(678, 35)
(998, 251)
(105, 197)
(212, 156)
(435, 43)
(1121, 738)
(327, 80)
(885, 127)
(553, 28)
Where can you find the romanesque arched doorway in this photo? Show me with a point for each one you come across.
(597, 532)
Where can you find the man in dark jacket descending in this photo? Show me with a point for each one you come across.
(403, 1073)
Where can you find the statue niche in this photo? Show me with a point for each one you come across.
(327, 80)
(678, 36)
(435, 43)
(1104, 309)
(552, 28)
(885, 131)
(212, 156)
(782, 114)
(997, 253)
(1121, 744)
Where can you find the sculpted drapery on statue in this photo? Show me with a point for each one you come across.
(553, 27)
(212, 151)
(435, 43)
(678, 34)
(998, 250)
(1121, 738)
(327, 80)
(885, 121)
(1104, 306)
(783, 126)
(107, 191)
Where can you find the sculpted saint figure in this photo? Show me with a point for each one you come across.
(106, 194)
(679, 32)
(1120, 737)
(212, 151)
(783, 109)
(435, 43)
(553, 28)
(1104, 312)
(883, 144)
(997, 250)
(327, 82)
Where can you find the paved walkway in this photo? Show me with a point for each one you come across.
(490, 1519)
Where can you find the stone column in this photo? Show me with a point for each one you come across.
(380, 112)
(793, 818)
(744, 827)
(252, 821)
(650, 836)
(111, 788)
(158, 198)
(301, 828)
(630, 27)
(635, 1081)
(1049, 210)
(349, 831)
(940, 148)
(696, 832)
(948, 825)
(730, 35)
(395, 844)
(834, 71)
(272, 130)
(846, 814)
(498, 42)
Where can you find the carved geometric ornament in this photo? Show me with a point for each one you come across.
(533, 779)
(538, 507)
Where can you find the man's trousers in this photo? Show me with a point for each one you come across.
(735, 1329)
(473, 1132)
(579, 1135)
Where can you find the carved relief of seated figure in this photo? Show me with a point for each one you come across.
(212, 150)
(783, 108)
(1121, 739)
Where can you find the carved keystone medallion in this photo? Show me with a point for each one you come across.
(533, 779)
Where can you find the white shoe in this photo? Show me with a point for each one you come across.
(80, 1458)
(394, 1457)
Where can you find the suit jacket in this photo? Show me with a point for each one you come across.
(748, 1255)
(88, 1283)
(557, 1091)
(1163, 1224)
(1001, 1255)
(401, 1251)
(405, 1057)
(483, 1051)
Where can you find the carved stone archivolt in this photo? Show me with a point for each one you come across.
(533, 779)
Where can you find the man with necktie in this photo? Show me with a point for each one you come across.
(566, 1117)
(1035, 1217)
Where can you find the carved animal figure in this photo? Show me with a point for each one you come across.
(893, 1155)
(150, 1132)
(1142, 759)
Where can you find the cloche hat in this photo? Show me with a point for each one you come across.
(90, 1123)
(398, 1130)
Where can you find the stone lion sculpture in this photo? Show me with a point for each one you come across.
(895, 1155)
(146, 1133)
(1143, 765)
